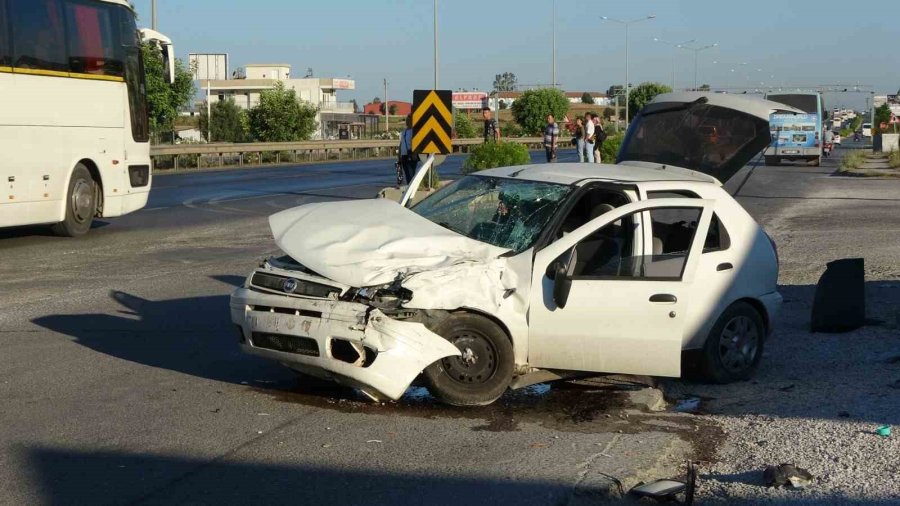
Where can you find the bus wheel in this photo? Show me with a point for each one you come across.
(817, 161)
(81, 204)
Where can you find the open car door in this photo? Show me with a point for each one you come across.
(607, 299)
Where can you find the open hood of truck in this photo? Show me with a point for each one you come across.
(712, 133)
(371, 242)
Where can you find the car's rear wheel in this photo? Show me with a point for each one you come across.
(81, 204)
(484, 370)
(734, 346)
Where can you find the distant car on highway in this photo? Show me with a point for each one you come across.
(867, 129)
(519, 275)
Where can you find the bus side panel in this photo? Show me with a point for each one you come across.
(49, 125)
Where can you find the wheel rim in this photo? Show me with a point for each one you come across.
(738, 344)
(82, 203)
(478, 362)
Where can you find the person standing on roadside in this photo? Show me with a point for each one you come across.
(579, 138)
(551, 135)
(408, 159)
(491, 130)
(589, 138)
(599, 137)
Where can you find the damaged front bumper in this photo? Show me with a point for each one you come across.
(348, 342)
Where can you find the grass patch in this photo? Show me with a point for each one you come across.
(853, 160)
(851, 165)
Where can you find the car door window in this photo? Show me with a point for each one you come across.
(611, 253)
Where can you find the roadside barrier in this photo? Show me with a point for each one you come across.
(201, 156)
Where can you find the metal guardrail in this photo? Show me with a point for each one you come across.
(196, 156)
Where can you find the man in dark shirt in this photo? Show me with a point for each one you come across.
(491, 130)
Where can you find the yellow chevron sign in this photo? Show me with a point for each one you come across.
(432, 121)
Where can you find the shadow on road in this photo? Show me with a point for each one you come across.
(74, 477)
(192, 335)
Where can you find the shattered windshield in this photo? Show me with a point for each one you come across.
(504, 212)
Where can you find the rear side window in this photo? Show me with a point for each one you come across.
(93, 42)
(5, 53)
(717, 239)
(38, 35)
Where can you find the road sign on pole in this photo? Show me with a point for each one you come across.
(432, 121)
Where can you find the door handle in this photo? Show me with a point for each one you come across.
(724, 267)
(663, 297)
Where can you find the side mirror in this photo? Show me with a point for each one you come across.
(559, 271)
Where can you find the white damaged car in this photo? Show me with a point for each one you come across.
(518, 275)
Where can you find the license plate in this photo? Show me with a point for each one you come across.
(791, 151)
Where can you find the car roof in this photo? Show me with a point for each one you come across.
(571, 173)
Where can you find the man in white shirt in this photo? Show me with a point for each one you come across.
(589, 138)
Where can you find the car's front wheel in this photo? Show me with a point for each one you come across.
(735, 344)
(483, 371)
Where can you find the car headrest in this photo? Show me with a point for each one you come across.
(600, 209)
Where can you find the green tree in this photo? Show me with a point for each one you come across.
(506, 81)
(465, 129)
(281, 117)
(704, 87)
(643, 93)
(503, 105)
(164, 99)
(586, 98)
(392, 110)
(229, 122)
(531, 109)
(615, 90)
(496, 154)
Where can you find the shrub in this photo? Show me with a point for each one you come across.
(610, 148)
(465, 129)
(511, 129)
(496, 154)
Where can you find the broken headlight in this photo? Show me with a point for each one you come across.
(383, 297)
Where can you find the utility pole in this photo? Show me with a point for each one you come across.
(153, 14)
(627, 87)
(554, 44)
(435, 46)
(386, 102)
(208, 111)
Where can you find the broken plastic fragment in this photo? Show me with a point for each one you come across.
(787, 474)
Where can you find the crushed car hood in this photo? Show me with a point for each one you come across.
(371, 242)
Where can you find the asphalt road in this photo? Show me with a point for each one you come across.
(121, 380)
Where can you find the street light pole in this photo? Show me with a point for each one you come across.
(627, 88)
(696, 51)
(676, 47)
(153, 14)
(435, 46)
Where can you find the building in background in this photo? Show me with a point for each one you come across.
(336, 119)
(574, 97)
(400, 108)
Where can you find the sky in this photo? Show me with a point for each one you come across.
(785, 42)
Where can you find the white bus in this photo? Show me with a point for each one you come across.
(74, 134)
